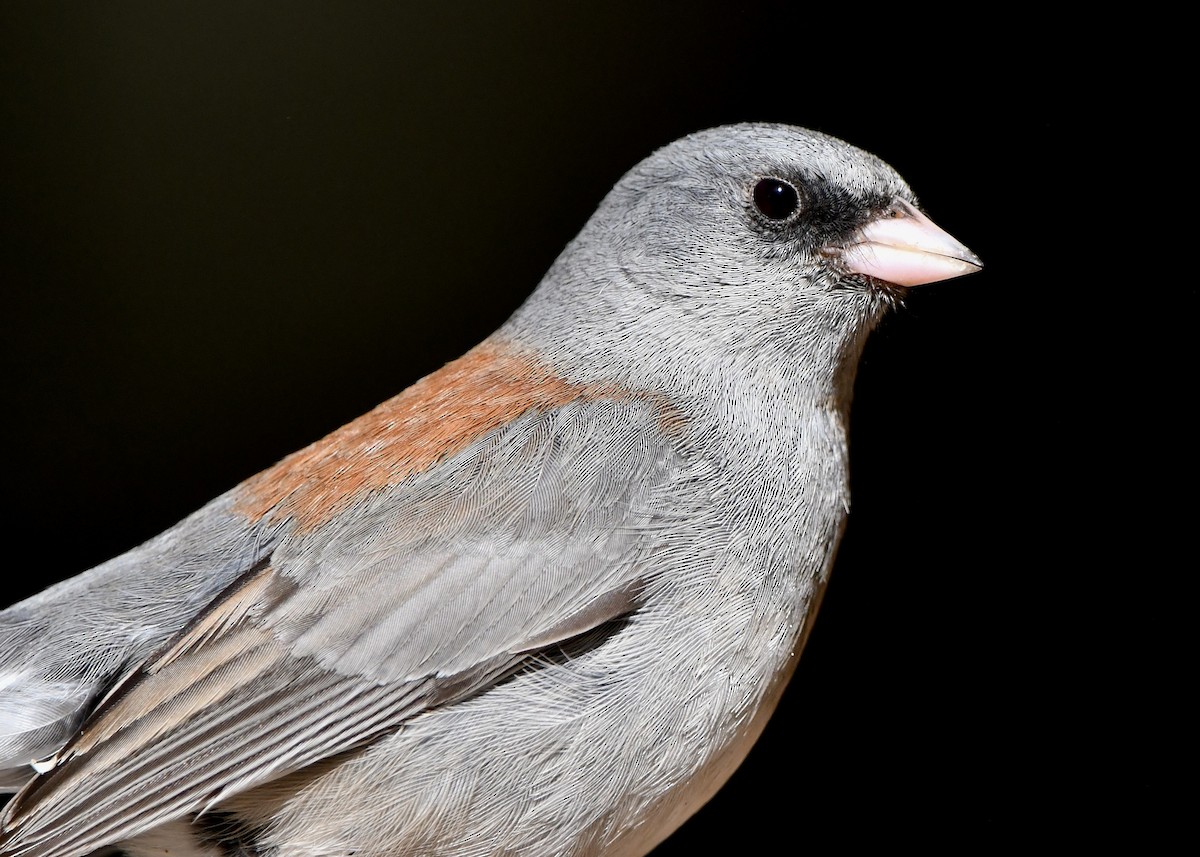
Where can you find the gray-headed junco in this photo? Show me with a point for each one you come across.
(540, 603)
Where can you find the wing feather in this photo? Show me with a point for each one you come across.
(428, 594)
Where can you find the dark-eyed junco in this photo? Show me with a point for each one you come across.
(540, 603)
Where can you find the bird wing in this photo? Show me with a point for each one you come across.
(422, 594)
(62, 648)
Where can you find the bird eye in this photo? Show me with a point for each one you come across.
(776, 199)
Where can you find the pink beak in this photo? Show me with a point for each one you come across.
(906, 248)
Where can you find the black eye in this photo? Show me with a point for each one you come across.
(776, 199)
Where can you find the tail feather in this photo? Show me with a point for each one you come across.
(36, 719)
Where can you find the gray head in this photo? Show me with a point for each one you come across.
(718, 246)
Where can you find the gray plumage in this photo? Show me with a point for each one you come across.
(541, 603)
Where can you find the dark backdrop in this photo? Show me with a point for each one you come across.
(229, 228)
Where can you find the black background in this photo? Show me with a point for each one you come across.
(229, 228)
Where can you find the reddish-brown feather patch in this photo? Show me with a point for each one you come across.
(434, 418)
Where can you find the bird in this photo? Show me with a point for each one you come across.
(541, 602)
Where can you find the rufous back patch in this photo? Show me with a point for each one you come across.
(436, 417)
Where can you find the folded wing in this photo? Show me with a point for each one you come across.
(423, 595)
